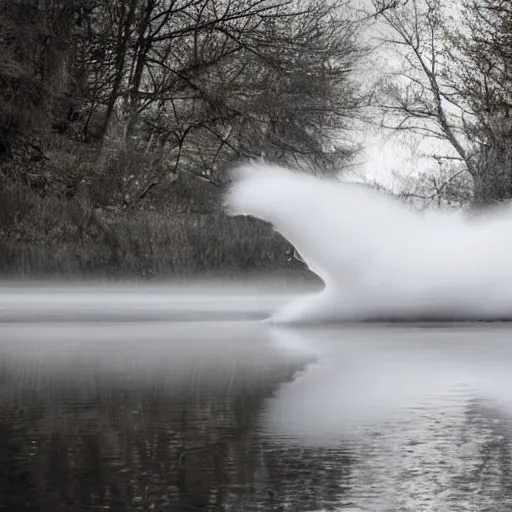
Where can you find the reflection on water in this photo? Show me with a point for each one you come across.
(423, 412)
(144, 417)
(236, 416)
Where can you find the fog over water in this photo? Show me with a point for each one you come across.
(377, 258)
(179, 397)
(209, 396)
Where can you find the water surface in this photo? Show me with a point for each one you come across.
(175, 398)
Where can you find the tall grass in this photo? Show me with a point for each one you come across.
(53, 237)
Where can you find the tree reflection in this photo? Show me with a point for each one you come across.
(92, 441)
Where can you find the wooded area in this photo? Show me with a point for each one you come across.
(454, 87)
(118, 119)
(114, 106)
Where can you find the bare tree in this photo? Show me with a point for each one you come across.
(195, 85)
(443, 90)
(447, 185)
(170, 87)
(481, 79)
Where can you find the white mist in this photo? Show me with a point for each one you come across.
(379, 259)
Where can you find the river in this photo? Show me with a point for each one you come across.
(178, 397)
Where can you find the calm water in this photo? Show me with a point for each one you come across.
(180, 399)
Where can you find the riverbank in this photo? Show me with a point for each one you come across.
(62, 243)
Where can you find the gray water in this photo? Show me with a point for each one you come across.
(171, 398)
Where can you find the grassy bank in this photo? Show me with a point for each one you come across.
(50, 237)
